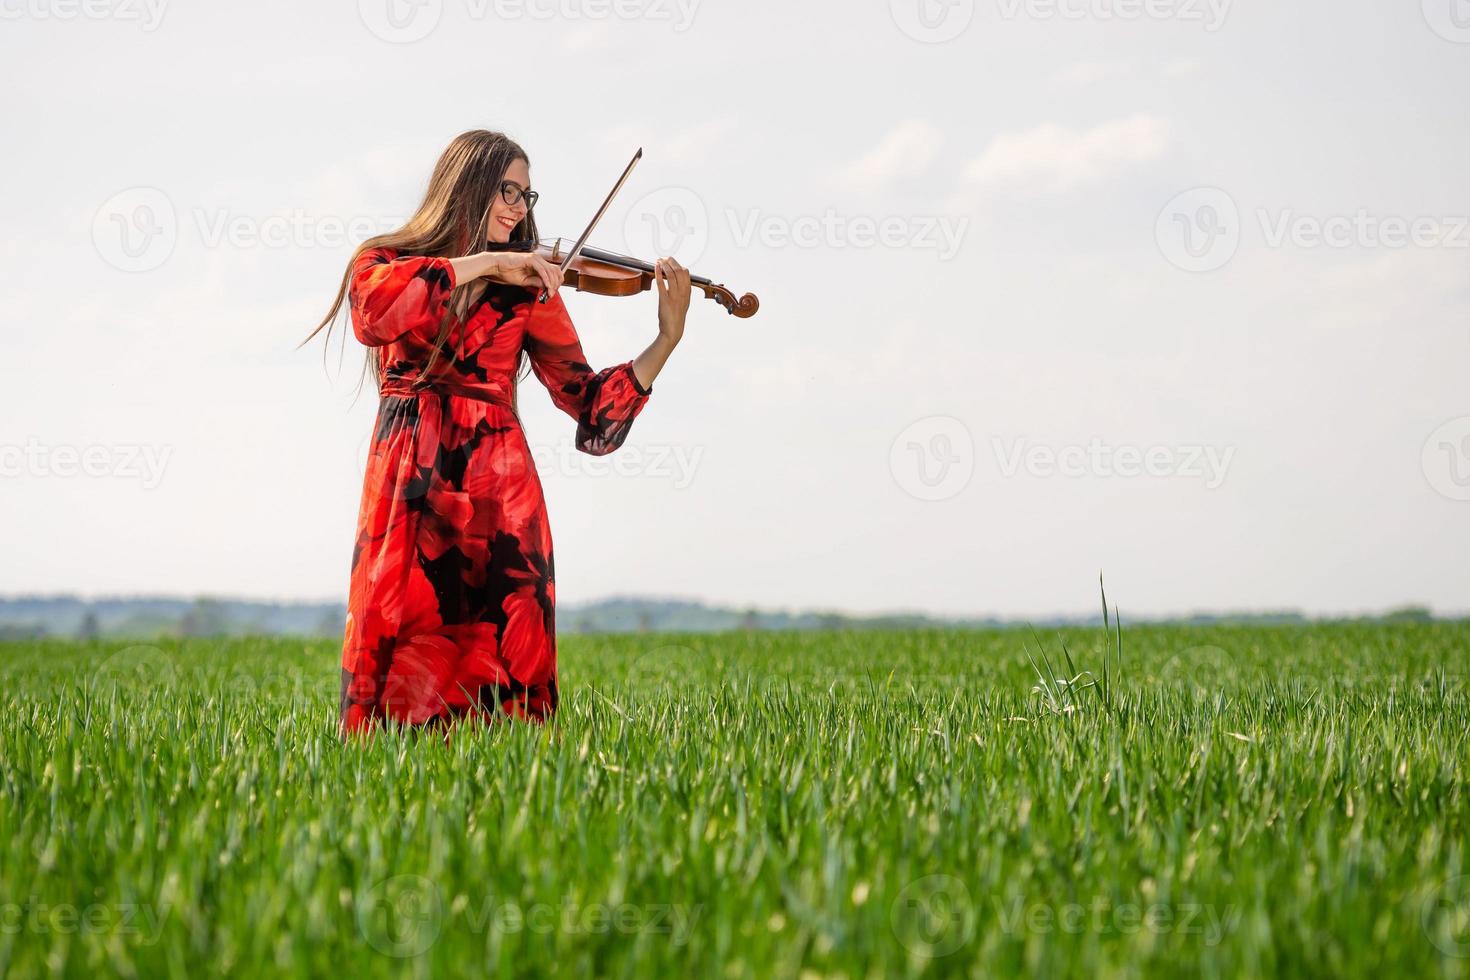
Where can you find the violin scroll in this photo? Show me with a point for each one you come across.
(743, 307)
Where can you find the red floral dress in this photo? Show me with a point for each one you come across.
(452, 606)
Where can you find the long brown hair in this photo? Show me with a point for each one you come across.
(453, 220)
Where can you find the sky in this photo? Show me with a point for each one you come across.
(1171, 290)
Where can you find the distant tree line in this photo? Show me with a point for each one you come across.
(26, 617)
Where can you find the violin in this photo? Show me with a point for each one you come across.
(602, 273)
(592, 270)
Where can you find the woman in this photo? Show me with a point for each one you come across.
(452, 605)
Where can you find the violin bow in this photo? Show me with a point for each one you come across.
(576, 249)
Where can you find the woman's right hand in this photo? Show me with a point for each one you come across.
(524, 269)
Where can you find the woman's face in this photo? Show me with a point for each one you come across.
(504, 217)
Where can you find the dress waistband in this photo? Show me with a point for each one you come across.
(497, 392)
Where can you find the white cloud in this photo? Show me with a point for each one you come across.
(1052, 159)
(909, 148)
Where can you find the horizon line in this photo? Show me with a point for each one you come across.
(789, 610)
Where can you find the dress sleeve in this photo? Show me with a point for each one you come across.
(604, 403)
(393, 298)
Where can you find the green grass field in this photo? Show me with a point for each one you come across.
(1235, 801)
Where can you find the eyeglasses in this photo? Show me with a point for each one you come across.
(512, 194)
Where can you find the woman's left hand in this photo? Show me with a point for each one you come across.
(673, 298)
